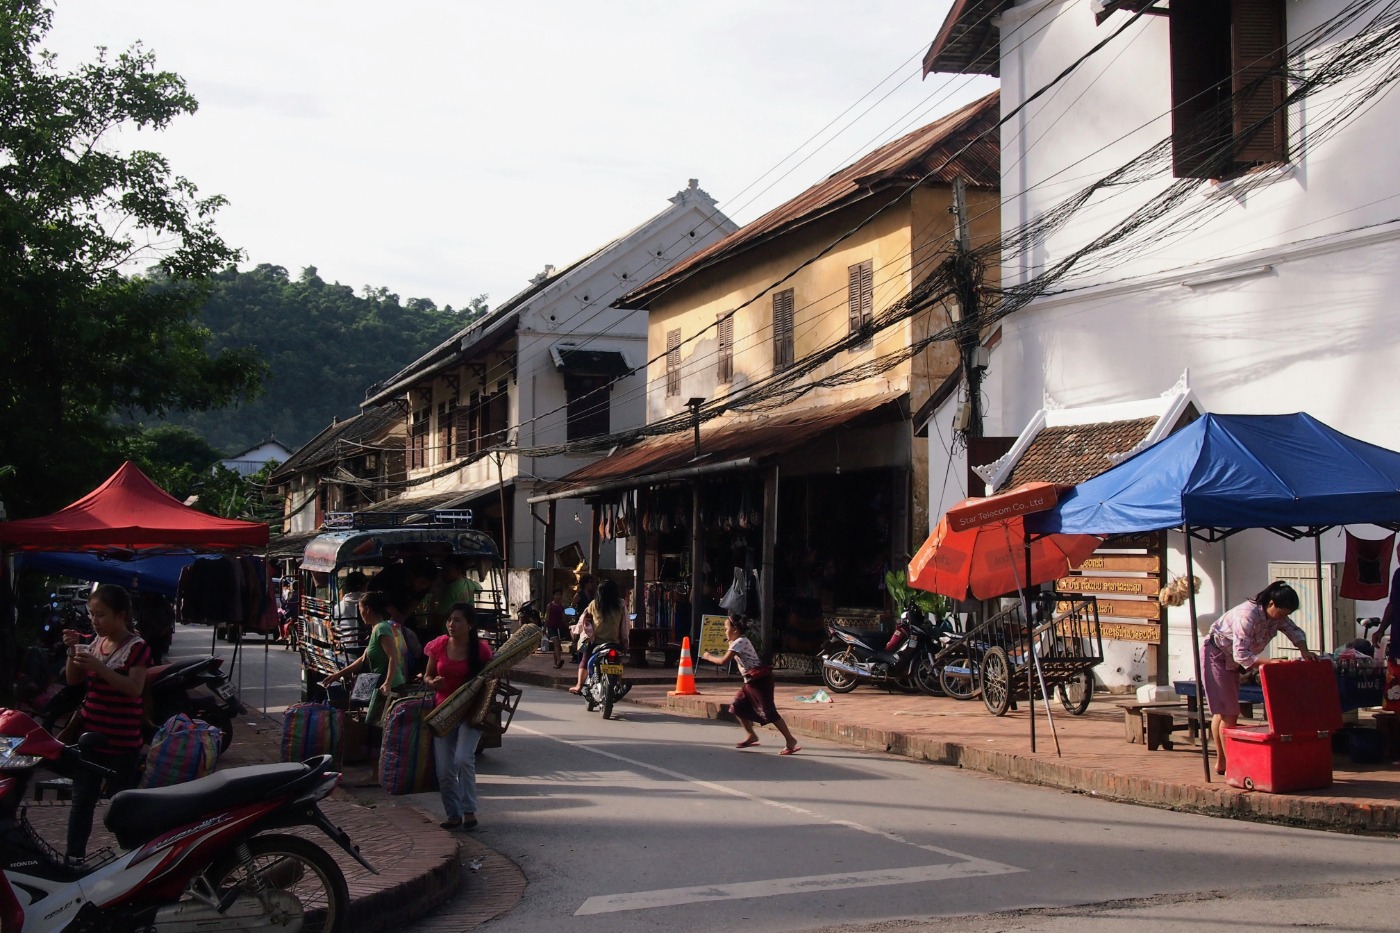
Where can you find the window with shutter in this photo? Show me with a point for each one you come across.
(860, 294)
(589, 401)
(1228, 86)
(418, 439)
(673, 362)
(469, 425)
(447, 430)
(725, 330)
(782, 329)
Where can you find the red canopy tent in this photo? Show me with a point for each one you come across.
(129, 512)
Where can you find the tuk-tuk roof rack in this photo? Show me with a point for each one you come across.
(354, 521)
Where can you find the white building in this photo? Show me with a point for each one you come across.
(1227, 208)
(489, 411)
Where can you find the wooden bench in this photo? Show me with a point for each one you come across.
(1135, 718)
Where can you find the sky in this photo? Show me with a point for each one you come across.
(446, 150)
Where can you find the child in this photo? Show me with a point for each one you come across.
(754, 701)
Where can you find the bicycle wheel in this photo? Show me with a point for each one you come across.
(288, 865)
(996, 680)
(965, 681)
(1076, 692)
(926, 676)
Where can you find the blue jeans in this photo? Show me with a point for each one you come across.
(454, 758)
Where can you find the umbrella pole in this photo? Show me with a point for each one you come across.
(1196, 655)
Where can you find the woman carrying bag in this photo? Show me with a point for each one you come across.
(454, 659)
(383, 658)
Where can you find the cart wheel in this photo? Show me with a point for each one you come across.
(1076, 693)
(996, 680)
(961, 686)
(840, 681)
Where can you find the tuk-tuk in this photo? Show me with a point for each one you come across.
(370, 542)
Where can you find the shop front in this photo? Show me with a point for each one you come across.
(791, 520)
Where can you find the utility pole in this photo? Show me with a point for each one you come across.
(966, 277)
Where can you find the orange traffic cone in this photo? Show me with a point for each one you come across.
(685, 677)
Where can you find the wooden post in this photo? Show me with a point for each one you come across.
(697, 568)
(770, 546)
(550, 530)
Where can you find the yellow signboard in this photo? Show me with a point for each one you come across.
(712, 638)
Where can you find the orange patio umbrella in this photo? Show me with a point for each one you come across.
(978, 549)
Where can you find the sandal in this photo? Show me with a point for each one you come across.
(576, 691)
(467, 824)
(751, 740)
(791, 750)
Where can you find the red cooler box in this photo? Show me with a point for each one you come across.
(1294, 751)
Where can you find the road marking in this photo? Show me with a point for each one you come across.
(671, 897)
(963, 865)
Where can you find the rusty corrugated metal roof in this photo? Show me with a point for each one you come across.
(963, 143)
(969, 42)
(728, 438)
(1073, 453)
(364, 429)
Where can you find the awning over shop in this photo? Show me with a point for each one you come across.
(736, 440)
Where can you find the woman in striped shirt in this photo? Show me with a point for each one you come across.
(114, 668)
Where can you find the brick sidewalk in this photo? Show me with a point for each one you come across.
(1094, 756)
(421, 866)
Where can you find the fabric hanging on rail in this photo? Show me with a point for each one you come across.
(1366, 574)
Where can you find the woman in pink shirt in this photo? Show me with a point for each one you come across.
(454, 659)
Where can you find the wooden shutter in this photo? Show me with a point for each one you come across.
(673, 362)
(725, 331)
(860, 293)
(1200, 65)
(782, 329)
(1259, 44)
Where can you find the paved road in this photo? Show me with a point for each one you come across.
(658, 822)
(267, 675)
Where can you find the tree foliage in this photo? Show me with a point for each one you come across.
(85, 342)
(324, 346)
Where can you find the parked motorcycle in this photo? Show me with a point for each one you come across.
(604, 685)
(198, 688)
(851, 656)
(194, 856)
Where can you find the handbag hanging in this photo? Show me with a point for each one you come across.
(363, 690)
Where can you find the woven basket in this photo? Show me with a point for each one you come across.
(449, 713)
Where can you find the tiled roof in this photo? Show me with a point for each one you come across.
(963, 143)
(1071, 454)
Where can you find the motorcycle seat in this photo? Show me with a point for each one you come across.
(138, 816)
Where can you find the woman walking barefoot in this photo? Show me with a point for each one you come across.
(754, 702)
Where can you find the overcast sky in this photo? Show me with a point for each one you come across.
(449, 149)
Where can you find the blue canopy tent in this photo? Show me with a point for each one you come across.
(1221, 474)
(159, 574)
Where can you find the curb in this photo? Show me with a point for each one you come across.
(1329, 813)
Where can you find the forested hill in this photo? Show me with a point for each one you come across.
(324, 346)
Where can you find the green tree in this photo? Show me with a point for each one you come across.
(85, 342)
(174, 457)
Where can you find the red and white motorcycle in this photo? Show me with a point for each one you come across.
(197, 856)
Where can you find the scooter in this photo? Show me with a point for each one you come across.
(604, 685)
(199, 689)
(196, 856)
(905, 661)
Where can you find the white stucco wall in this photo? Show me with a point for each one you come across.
(1299, 315)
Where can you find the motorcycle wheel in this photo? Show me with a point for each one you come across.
(840, 681)
(1076, 693)
(295, 866)
(996, 680)
(961, 688)
(609, 685)
(926, 676)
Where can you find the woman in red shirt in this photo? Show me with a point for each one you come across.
(454, 659)
(114, 667)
